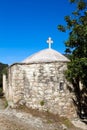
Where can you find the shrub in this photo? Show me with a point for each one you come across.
(42, 103)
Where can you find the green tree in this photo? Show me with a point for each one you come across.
(3, 69)
(76, 48)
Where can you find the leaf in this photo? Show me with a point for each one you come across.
(61, 28)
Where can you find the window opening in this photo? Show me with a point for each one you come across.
(61, 85)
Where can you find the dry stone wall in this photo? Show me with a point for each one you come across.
(40, 86)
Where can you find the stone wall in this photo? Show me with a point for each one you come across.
(40, 86)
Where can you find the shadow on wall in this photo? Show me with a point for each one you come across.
(80, 101)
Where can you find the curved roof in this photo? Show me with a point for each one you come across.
(46, 55)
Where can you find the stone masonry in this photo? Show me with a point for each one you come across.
(40, 86)
(39, 82)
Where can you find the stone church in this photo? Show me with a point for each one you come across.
(39, 82)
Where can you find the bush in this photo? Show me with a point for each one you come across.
(42, 103)
(1, 92)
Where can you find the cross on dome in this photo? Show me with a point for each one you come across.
(49, 41)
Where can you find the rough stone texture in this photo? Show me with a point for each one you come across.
(40, 86)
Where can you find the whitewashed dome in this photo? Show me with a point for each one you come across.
(46, 55)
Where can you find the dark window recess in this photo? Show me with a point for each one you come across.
(61, 85)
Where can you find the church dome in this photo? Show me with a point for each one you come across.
(46, 55)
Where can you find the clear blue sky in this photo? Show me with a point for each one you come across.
(25, 25)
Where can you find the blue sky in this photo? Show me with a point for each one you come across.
(25, 25)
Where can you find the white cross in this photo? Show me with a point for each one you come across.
(49, 41)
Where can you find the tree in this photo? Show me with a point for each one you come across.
(76, 48)
(3, 70)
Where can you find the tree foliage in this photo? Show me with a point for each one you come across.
(3, 69)
(76, 47)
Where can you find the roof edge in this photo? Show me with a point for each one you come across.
(38, 63)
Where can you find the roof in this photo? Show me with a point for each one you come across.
(46, 55)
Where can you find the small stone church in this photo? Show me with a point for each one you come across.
(39, 83)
